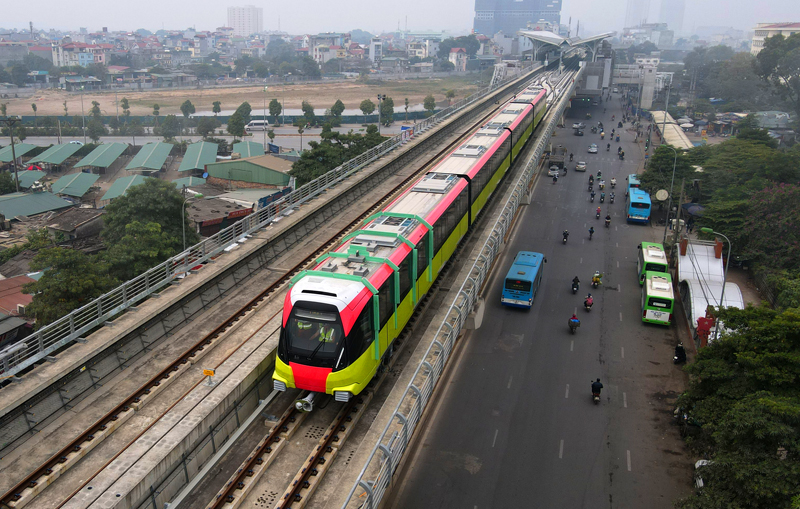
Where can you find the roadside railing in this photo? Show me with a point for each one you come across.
(376, 475)
(82, 321)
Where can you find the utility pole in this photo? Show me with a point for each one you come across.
(678, 216)
(664, 123)
(10, 121)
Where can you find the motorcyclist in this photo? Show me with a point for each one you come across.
(680, 353)
(619, 150)
(613, 182)
(602, 197)
(597, 387)
(570, 156)
(597, 278)
(608, 219)
(555, 179)
(608, 147)
(599, 174)
(598, 211)
(591, 232)
(611, 197)
(588, 301)
(591, 178)
(573, 321)
(576, 281)
(565, 234)
(592, 195)
(601, 184)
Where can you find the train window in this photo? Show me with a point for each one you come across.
(386, 300)
(422, 255)
(405, 276)
(361, 335)
(439, 234)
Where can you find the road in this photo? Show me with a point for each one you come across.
(514, 425)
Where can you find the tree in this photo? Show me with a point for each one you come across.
(308, 113)
(771, 226)
(367, 107)
(338, 108)
(244, 110)
(387, 111)
(300, 131)
(21, 132)
(429, 103)
(275, 109)
(446, 66)
(126, 107)
(236, 125)
(170, 127)
(206, 126)
(187, 108)
(95, 129)
(95, 110)
(156, 111)
(4, 109)
(469, 42)
(450, 94)
(72, 279)
(66, 111)
(135, 129)
(154, 201)
(332, 149)
(778, 63)
(34, 108)
(216, 107)
(7, 184)
(19, 74)
(143, 246)
(406, 107)
(271, 135)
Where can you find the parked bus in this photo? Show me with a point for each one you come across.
(638, 206)
(657, 298)
(652, 258)
(633, 183)
(523, 280)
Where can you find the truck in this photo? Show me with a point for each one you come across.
(558, 156)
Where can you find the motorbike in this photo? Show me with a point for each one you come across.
(596, 397)
(617, 138)
(594, 129)
(588, 305)
(555, 179)
(608, 223)
(611, 198)
(573, 325)
(590, 188)
(591, 197)
(680, 354)
(595, 283)
(597, 214)
(608, 149)
(564, 240)
(570, 158)
(591, 232)
(602, 197)
(613, 183)
(575, 287)
(602, 185)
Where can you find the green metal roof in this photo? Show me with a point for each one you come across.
(103, 156)
(57, 154)
(198, 155)
(28, 177)
(265, 169)
(151, 157)
(248, 149)
(121, 186)
(188, 182)
(20, 149)
(76, 184)
(30, 204)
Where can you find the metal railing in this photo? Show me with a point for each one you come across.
(96, 313)
(376, 475)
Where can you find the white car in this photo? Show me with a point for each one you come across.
(76, 142)
(554, 171)
(581, 166)
(616, 90)
(579, 125)
(592, 148)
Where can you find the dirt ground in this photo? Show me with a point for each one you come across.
(320, 95)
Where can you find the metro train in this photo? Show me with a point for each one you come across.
(340, 318)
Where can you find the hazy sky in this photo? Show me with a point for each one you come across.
(299, 16)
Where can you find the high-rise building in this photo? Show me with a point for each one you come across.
(637, 13)
(672, 13)
(508, 16)
(764, 30)
(246, 20)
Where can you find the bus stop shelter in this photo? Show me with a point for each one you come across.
(151, 157)
(198, 155)
(103, 156)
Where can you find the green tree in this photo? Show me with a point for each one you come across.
(429, 103)
(367, 107)
(275, 109)
(95, 129)
(143, 246)
(216, 107)
(19, 74)
(170, 127)
(300, 131)
(187, 108)
(450, 94)
(72, 279)
(406, 108)
(66, 111)
(308, 113)
(126, 107)
(236, 125)
(7, 184)
(34, 108)
(135, 129)
(771, 227)
(154, 201)
(206, 126)
(338, 108)
(332, 150)
(387, 111)
(778, 63)
(4, 109)
(469, 42)
(271, 135)
(95, 110)
(244, 110)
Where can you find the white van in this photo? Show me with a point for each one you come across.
(257, 125)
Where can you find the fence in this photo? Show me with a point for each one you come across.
(86, 319)
(389, 449)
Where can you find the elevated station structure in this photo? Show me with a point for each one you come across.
(549, 41)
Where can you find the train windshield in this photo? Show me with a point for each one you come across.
(314, 336)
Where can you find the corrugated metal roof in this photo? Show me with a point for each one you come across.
(103, 156)
(28, 177)
(265, 169)
(30, 204)
(75, 185)
(248, 149)
(57, 154)
(188, 182)
(198, 155)
(20, 149)
(152, 156)
(121, 186)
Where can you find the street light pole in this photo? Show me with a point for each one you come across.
(381, 97)
(664, 122)
(10, 121)
(671, 187)
(265, 118)
(83, 118)
(724, 277)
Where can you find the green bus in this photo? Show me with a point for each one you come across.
(658, 301)
(652, 258)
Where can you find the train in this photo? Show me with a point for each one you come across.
(340, 318)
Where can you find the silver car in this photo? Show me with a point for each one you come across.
(593, 148)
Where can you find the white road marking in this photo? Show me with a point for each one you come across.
(617, 246)
(561, 452)
(624, 400)
(629, 460)
(566, 394)
(616, 228)
(498, 431)
(619, 287)
(571, 345)
(623, 351)
(509, 381)
(620, 317)
(581, 259)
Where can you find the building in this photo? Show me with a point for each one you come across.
(75, 224)
(246, 20)
(637, 12)
(764, 30)
(672, 13)
(458, 57)
(259, 172)
(492, 16)
(375, 50)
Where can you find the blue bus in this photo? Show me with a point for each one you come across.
(523, 280)
(633, 183)
(637, 209)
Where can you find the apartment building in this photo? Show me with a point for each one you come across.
(246, 20)
(764, 30)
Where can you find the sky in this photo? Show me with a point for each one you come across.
(310, 16)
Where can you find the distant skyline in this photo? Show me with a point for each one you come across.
(312, 16)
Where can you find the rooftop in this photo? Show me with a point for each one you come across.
(57, 154)
(11, 294)
(73, 218)
(20, 149)
(121, 186)
(76, 184)
(30, 204)
(103, 156)
(198, 155)
(151, 157)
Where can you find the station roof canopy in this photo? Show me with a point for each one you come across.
(248, 149)
(27, 178)
(198, 155)
(549, 38)
(151, 157)
(57, 154)
(103, 156)
(188, 182)
(30, 204)
(20, 149)
(673, 134)
(121, 186)
(76, 184)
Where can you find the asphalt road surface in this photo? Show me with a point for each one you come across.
(514, 425)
